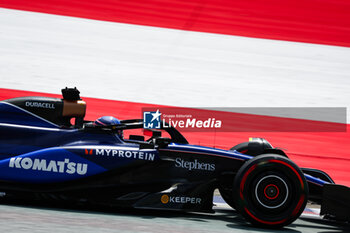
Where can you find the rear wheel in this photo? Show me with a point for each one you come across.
(257, 146)
(225, 187)
(242, 147)
(270, 191)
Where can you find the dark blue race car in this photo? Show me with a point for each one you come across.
(44, 156)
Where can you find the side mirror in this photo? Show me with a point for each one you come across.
(137, 138)
(152, 133)
(162, 142)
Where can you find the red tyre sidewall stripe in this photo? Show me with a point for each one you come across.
(301, 200)
(274, 197)
(297, 208)
(293, 169)
(300, 203)
(245, 179)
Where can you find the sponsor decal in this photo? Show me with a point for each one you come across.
(151, 120)
(141, 155)
(195, 165)
(165, 199)
(195, 123)
(39, 105)
(49, 165)
(88, 152)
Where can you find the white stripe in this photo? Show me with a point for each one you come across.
(107, 148)
(213, 150)
(42, 52)
(32, 114)
(32, 127)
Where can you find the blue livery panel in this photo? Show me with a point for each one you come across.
(47, 165)
(11, 114)
(69, 163)
(207, 150)
(111, 157)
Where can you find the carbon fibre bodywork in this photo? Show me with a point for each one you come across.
(39, 157)
(83, 163)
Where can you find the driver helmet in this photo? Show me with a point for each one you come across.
(108, 121)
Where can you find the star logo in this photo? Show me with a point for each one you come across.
(151, 120)
(155, 115)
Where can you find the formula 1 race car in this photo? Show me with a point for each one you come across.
(44, 156)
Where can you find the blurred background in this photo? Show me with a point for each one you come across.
(126, 55)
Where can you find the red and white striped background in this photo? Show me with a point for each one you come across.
(187, 53)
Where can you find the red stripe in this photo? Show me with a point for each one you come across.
(299, 205)
(276, 195)
(313, 21)
(100, 122)
(244, 179)
(327, 151)
(292, 168)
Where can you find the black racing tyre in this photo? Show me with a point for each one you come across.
(241, 147)
(225, 189)
(270, 191)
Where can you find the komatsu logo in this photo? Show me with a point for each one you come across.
(194, 165)
(52, 166)
(142, 155)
